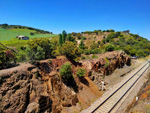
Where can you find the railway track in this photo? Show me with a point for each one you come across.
(107, 105)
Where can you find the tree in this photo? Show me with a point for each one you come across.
(60, 39)
(44, 43)
(64, 34)
(81, 45)
(70, 49)
(66, 71)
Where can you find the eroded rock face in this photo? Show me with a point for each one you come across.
(36, 89)
(105, 64)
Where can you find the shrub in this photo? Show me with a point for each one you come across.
(70, 38)
(67, 77)
(96, 51)
(70, 49)
(21, 56)
(45, 44)
(81, 45)
(66, 71)
(40, 53)
(94, 45)
(83, 38)
(81, 72)
(87, 52)
(109, 47)
(22, 47)
(31, 33)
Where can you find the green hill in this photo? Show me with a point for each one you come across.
(98, 41)
(7, 32)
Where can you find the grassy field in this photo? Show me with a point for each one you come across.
(14, 42)
(8, 34)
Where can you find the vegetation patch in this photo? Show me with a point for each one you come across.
(81, 72)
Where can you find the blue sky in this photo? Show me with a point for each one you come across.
(78, 15)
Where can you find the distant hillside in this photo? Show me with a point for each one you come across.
(7, 32)
(97, 40)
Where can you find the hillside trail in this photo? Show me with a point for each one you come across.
(20, 67)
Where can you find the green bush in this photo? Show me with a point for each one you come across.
(31, 33)
(66, 71)
(70, 49)
(42, 45)
(96, 51)
(81, 45)
(67, 77)
(87, 52)
(21, 56)
(83, 38)
(81, 72)
(109, 47)
(40, 54)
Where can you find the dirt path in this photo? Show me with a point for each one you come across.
(21, 67)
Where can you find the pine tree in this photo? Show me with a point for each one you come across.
(60, 39)
(64, 35)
